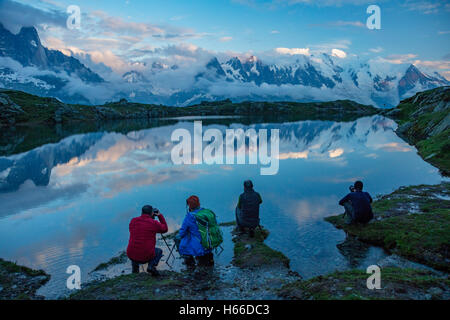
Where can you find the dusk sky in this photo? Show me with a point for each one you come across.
(118, 33)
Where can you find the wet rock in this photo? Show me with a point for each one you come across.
(434, 291)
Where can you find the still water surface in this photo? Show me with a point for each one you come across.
(71, 202)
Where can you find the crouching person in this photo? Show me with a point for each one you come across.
(247, 209)
(141, 246)
(199, 235)
(357, 205)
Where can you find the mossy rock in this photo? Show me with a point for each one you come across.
(252, 252)
(19, 282)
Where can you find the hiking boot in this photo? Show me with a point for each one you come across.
(206, 261)
(189, 261)
(153, 272)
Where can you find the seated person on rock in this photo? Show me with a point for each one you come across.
(141, 246)
(357, 205)
(199, 235)
(247, 209)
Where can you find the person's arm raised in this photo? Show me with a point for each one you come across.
(162, 224)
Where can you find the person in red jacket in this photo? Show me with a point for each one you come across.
(141, 246)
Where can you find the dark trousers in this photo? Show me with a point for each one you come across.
(205, 261)
(241, 226)
(151, 264)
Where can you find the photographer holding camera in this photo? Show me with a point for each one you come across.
(141, 246)
(357, 205)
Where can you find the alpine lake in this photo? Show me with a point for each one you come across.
(70, 202)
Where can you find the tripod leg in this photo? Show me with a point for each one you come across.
(171, 252)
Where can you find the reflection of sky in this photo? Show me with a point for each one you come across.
(81, 216)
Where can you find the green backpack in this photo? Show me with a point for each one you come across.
(209, 229)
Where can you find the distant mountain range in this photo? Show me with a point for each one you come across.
(27, 65)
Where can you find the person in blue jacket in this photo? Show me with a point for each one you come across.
(357, 205)
(189, 238)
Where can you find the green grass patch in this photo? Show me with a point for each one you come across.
(12, 267)
(418, 118)
(396, 283)
(253, 252)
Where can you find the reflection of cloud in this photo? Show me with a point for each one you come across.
(294, 155)
(69, 239)
(126, 215)
(123, 182)
(336, 153)
(395, 147)
(336, 180)
(371, 155)
(29, 196)
(311, 208)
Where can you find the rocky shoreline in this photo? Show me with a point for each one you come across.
(20, 283)
(424, 121)
(20, 108)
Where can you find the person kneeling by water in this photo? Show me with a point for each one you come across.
(141, 246)
(357, 205)
(199, 234)
(247, 209)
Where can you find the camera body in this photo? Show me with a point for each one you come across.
(352, 188)
(155, 212)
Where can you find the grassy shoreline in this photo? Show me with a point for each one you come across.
(396, 284)
(19, 282)
(424, 121)
(24, 108)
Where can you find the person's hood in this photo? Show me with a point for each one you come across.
(248, 189)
